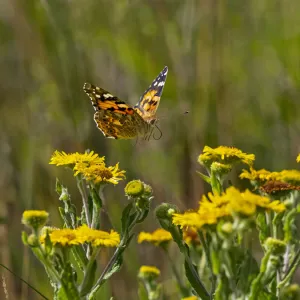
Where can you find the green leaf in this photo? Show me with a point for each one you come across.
(204, 177)
(192, 275)
(116, 267)
(126, 218)
(89, 282)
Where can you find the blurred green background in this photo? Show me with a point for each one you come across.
(234, 65)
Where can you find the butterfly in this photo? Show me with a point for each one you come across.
(116, 119)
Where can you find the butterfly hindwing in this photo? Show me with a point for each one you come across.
(114, 117)
(149, 101)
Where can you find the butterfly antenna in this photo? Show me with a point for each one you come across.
(161, 134)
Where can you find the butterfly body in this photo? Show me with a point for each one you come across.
(116, 119)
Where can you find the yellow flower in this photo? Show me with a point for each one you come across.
(148, 272)
(64, 237)
(298, 158)
(81, 235)
(157, 237)
(194, 219)
(35, 218)
(98, 237)
(62, 158)
(225, 155)
(190, 298)
(100, 173)
(291, 176)
(247, 202)
(214, 207)
(261, 176)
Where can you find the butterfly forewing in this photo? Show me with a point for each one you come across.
(116, 119)
(149, 101)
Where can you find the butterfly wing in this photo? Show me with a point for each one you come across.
(114, 117)
(149, 101)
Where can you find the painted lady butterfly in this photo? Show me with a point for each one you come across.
(118, 120)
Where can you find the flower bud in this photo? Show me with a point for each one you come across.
(276, 246)
(134, 188)
(35, 219)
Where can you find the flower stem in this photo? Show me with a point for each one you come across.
(184, 290)
(208, 260)
(84, 199)
(293, 267)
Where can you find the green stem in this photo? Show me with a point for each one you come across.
(256, 284)
(88, 269)
(184, 290)
(84, 199)
(202, 292)
(208, 260)
(113, 259)
(293, 267)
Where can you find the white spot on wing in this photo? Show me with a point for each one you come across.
(155, 83)
(107, 95)
(161, 83)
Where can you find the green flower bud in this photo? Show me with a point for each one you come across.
(147, 190)
(134, 188)
(276, 246)
(33, 240)
(291, 292)
(220, 169)
(35, 219)
(164, 214)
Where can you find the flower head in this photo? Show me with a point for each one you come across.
(225, 155)
(262, 176)
(81, 235)
(148, 272)
(35, 219)
(62, 158)
(99, 173)
(98, 237)
(231, 202)
(157, 237)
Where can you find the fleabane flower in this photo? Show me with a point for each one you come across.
(262, 176)
(98, 237)
(231, 202)
(157, 237)
(35, 219)
(148, 272)
(99, 173)
(225, 155)
(60, 158)
(81, 235)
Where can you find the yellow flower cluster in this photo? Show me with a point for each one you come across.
(157, 237)
(90, 165)
(81, 235)
(214, 207)
(260, 176)
(225, 155)
(149, 269)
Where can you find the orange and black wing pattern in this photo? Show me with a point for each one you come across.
(149, 101)
(114, 117)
